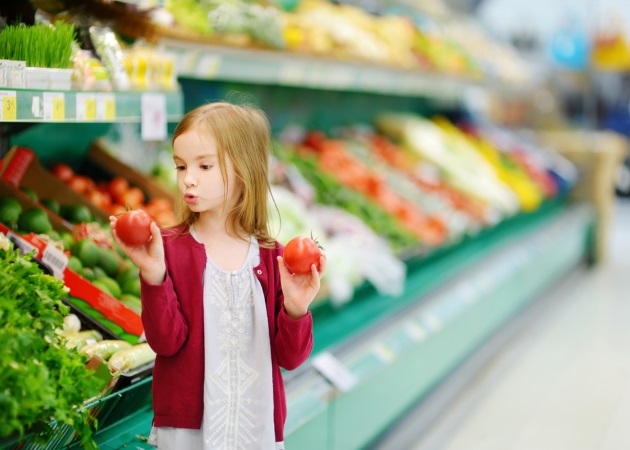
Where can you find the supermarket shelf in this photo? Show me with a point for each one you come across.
(398, 361)
(26, 105)
(214, 62)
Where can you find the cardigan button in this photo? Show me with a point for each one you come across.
(259, 272)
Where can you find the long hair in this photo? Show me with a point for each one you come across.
(243, 134)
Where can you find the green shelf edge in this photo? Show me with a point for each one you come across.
(128, 105)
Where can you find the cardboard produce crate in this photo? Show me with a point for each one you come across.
(21, 168)
(597, 156)
(116, 168)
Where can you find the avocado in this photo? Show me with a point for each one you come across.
(31, 193)
(102, 286)
(108, 261)
(51, 204)
(75, 264)
(67, 239)
(76, 213)
(132, 302)
(87, 273)
(132, 287)
(87, 251)
(111, 284)
(10, 210)
(128, 274)
(34, 220)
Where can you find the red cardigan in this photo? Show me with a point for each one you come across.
(172, 314)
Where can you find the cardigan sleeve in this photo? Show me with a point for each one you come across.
(164, 325)
(294, 339)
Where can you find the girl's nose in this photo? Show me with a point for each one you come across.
(190, 180)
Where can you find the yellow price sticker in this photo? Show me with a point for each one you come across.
(90, 108)
(110, 108)
(59, 108)
(9, 108)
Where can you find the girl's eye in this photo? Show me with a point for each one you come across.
(206, 166)
(179, 168)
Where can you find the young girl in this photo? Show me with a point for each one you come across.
(219, 306)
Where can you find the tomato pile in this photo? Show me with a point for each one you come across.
(116, 195)
(301, 253)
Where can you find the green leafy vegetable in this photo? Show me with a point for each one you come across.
(40, 380)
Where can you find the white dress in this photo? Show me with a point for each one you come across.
(238, 385)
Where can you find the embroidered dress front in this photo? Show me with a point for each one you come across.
(238, 388)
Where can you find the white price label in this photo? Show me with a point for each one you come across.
(25, 247)
(86, 107)
(292, 73)
(56, 259)
(153, 110)
(335, 372)
(54, 106)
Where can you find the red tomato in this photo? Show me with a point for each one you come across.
(132, 198)
(134, 228)
(81, 184)
(117, 209)
(300, 253)
(62, 171)
(117, 187)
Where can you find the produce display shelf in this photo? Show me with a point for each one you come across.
(205, 61)
(398, 361)
(415, 341)
(44, 106)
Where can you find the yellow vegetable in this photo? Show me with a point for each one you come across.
(82, 338)
(131, 358)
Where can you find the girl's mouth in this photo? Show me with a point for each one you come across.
(190, 199)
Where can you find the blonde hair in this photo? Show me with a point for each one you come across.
(242, 133)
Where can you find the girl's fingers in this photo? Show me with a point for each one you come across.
(156, 235)
(284, 272)
(322, 265)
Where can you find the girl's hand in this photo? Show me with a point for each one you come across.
(300, 290)
(149, 257)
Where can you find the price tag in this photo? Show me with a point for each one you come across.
(153, 110)
(56, 259)
(208, 66)
(335, 372)
(86, 107)
(105, 107)
(416, 332)
(9, 105)
(384, 353)
(292, 73)
(54, 106)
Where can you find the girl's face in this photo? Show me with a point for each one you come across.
(199, 175)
